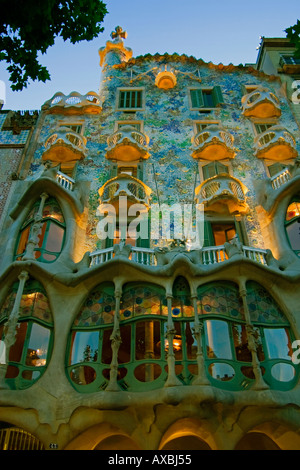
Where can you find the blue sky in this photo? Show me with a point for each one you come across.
(217, 31)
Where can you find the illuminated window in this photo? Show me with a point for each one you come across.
(50, 236)
(227, 355)
(292, 226)
(30, 353)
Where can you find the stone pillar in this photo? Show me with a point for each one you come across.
(260, 384)
(10, 327)
(201, 378)
(35, 230)
(115, 345)
(172, 380)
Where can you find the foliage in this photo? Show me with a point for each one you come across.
(293, 33)
(29, 27)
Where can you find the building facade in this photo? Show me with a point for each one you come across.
(121, 328)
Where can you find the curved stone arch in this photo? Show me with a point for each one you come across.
(272, 290)
(32, 196)
(70, 203)
(277, 434)
(101, 435)
(185, 427)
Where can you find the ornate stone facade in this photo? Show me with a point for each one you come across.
(154, 343)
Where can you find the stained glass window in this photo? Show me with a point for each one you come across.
(220, 299)
(143, 300)
(98, 308)
(262, 307)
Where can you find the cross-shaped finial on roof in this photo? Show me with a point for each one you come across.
(118, 33)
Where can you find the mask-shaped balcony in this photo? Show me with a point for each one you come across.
(127, 145)
(276, 143)
(64, 145)
(261, 103)
(74, 103)
(135, 191)
(222, 193)
(213, 143)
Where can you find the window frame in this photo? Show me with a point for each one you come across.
(132, 108)
(214, 90)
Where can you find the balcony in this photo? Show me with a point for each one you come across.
(138, 255)
(64, 145)
(276, 143)
(74, 103)
(213, 143)
(210, 255)
(125, 185)
(127, 144)
(65, 181)
(222, 193)
(261, 103)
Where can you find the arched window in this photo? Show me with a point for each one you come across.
(30, 353)
(50, 232)
(89, 351)
(292, 225)
(225, 339)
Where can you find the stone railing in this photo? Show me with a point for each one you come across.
(144, 256)
(147, 256)
(65, 181)
(261, 102)
(125, 185)
(281, 178)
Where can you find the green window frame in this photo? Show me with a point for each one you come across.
(292, 225)
(31, 352)
(206, 98)
(130, 99)
(51, 232)
(229, 225)
(213, 169)
(228, 359)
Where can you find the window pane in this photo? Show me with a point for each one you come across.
(278, 343)
(84, 346)
(217, 339)
(293, 231)
(15, 352)
(147, 340)
(54, 238)
(38, 346)
(240, 339)
(124, 349)
(191, 343)
(23, 240)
